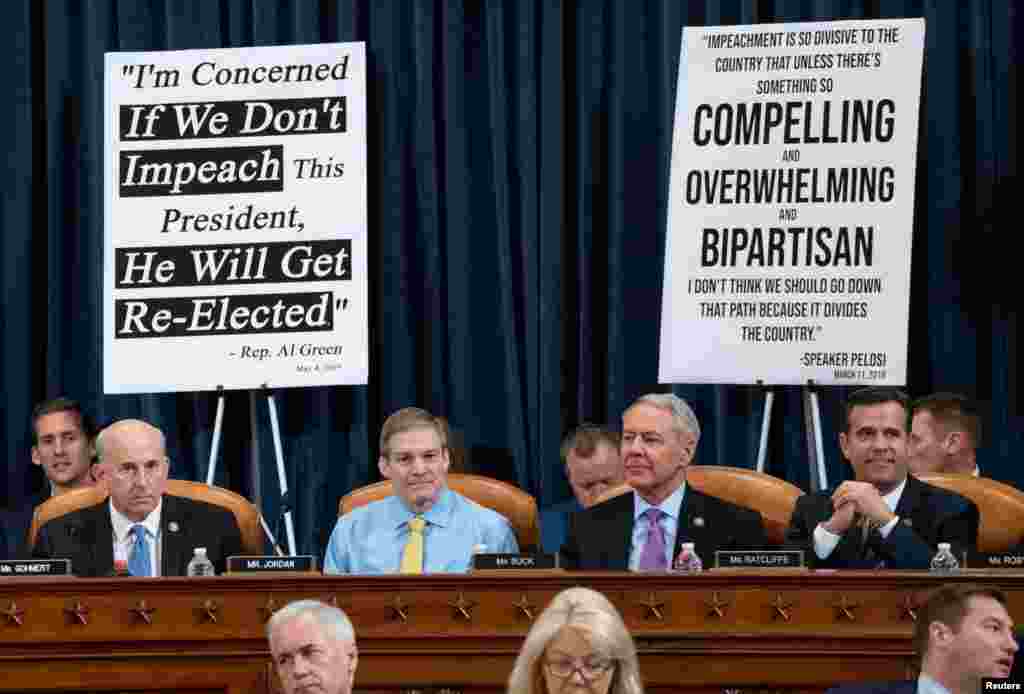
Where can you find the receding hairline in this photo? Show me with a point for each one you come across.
(127, 426)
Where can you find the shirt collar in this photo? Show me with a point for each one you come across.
(439, 513)
(926, 685)
(671, 506)
(123, 525)
(892, 499)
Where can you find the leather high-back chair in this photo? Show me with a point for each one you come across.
(770, 496)
(245, 512)
(1001, 508)
(516, 505)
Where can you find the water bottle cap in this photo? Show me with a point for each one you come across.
(200, 551)
(688, 546)
(944, 545)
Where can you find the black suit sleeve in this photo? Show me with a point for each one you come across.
(907, 548)
(800, 533)
(569, 555)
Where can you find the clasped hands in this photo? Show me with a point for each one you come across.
(852, 498)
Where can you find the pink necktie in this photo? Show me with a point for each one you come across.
(652, 556)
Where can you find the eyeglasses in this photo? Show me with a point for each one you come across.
(589, 668)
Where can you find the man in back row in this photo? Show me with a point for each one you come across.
(590, 458)
(423, 527)
(945, 433)
(139, 528)
(62, 447)
(884, 517)
(643, 530)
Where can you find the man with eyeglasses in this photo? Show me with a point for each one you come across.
(644, 530)
(884, 517)
(313, 647)
(139, 530)
(424, 527)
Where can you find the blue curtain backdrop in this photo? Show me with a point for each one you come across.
(518, 162)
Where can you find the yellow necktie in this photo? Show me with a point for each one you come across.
(412, 555)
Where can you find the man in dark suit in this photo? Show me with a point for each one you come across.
(884, 517)
(962, 634)
(62, 447)
(139, 529)
(643, 530)
(590, 458)
(944, 435)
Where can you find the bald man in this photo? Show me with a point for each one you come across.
(139, 529)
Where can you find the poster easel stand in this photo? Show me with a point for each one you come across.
(812, 425)
(282, 479)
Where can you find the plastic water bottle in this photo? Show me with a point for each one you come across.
(200, 565)
(688, 561)
(944, 560)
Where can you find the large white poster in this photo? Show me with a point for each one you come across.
(235, 227)
(791, 203)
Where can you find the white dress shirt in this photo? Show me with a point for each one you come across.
(124, 539)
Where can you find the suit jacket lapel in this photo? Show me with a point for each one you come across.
(101, 546)
(692, 521)
(174, 540)
(621, 541)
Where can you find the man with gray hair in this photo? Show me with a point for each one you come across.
(313, 647)
(643, 530)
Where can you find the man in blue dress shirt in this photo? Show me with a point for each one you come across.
(963, 633)
(424, 527)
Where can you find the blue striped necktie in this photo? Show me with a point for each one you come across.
(138, 561)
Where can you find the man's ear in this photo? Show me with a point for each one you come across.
(382, 465)
(353, 662)
(844, 443)
(36, 460)
(953, 442)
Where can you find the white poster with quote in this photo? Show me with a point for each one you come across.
(791, 203)
(235, 227)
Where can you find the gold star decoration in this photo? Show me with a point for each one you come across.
(399, 609)
(844, 608)
(269, 609)
(909, 608)
(463, 607)
(78, 612)
(525, 606)
(209, 611)
(653, 606)
(716, 606)
(14, 614)
(781, 607)
(144, 612)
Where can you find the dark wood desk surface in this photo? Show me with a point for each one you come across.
(795, 631)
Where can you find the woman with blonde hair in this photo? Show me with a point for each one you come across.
(578, 645)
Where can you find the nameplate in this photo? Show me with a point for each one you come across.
(270, 564)
(35, 567)
(759, 559)
(486, 562)
(996, 560)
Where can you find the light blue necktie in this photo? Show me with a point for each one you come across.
(138, 560)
